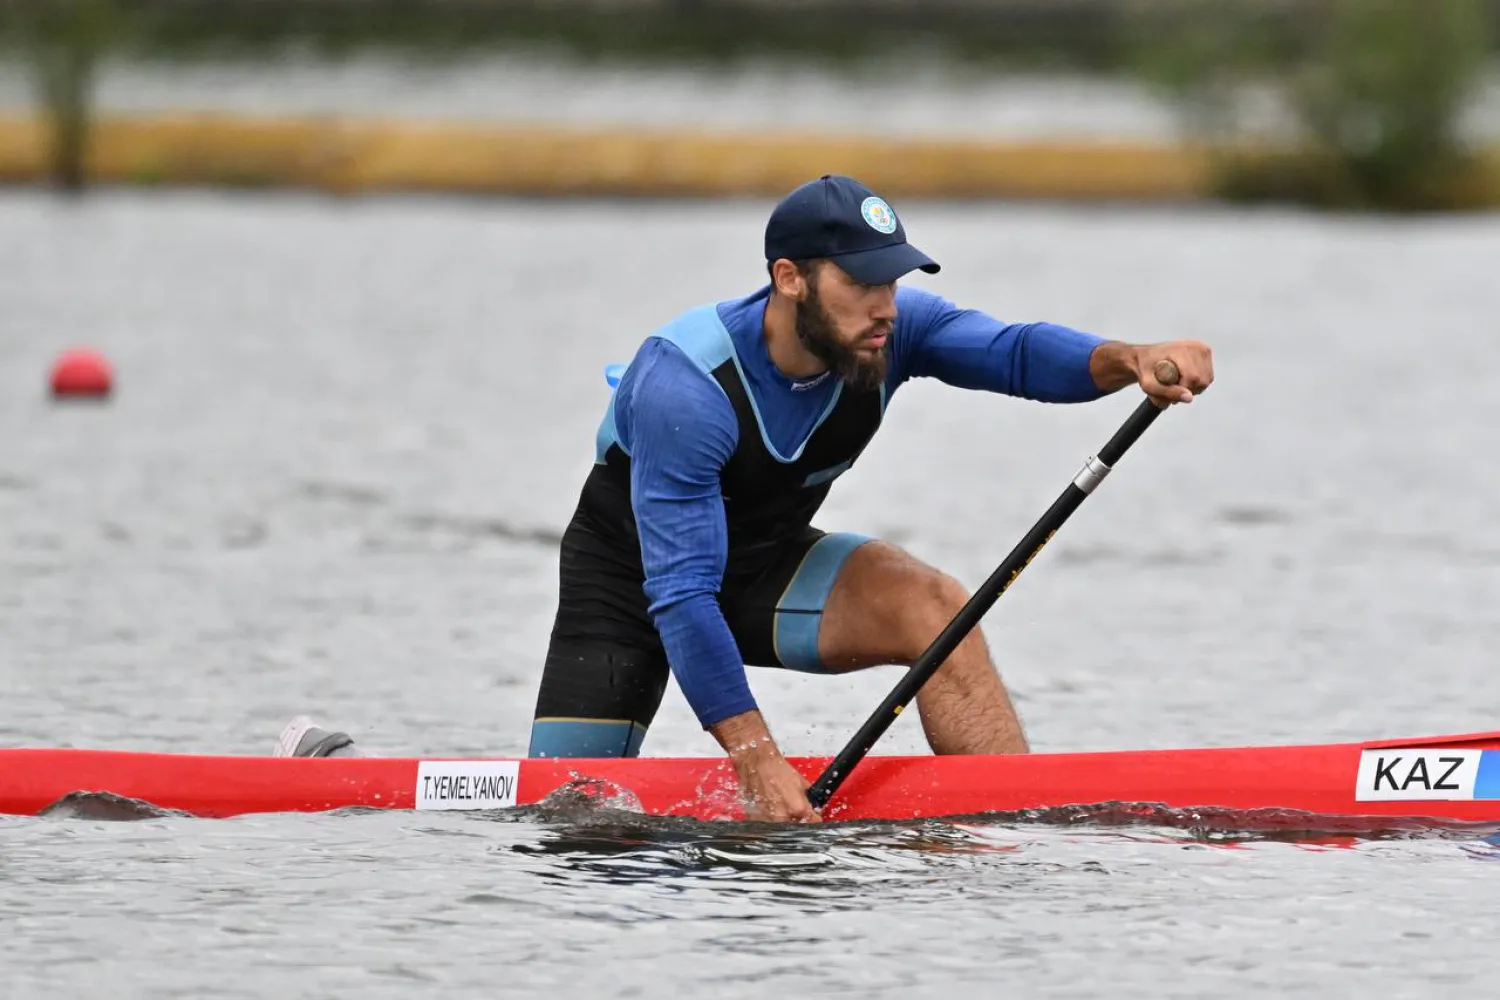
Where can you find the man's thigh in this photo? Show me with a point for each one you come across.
(886, 607)
(823, 605)
(606, 670)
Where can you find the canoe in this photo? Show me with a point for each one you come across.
(1443, 778)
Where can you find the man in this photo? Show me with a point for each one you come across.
(691, 552)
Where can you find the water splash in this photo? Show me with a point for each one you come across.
(105, 806)
(585, 795)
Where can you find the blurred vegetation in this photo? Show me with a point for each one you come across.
(1374, 89)
(1039, 32)
(65, 40)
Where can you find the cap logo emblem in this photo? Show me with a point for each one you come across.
(879, 215)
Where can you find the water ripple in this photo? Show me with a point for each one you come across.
(299, 513)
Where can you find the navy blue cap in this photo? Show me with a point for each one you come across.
(841, 219)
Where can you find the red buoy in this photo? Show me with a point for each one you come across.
(82, 373)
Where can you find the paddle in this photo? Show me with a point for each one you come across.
(1092, 474)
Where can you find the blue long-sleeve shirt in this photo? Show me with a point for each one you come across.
(680, 429)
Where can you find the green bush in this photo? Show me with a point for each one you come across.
(1374, 91)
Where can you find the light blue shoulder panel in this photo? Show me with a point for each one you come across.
(698, 333)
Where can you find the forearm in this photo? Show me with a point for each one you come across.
(681, 429)
(1041, 361)
(704, 658)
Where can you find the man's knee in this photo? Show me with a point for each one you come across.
(887, 607)
(934, 601)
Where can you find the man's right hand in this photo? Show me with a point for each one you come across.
(774, 790)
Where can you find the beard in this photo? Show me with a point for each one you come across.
(818, 334)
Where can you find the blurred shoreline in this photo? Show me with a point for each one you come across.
(542, 125)
(929, 98)
(342, 155)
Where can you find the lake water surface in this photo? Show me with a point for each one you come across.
(347, 434)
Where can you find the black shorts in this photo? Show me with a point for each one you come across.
(606, 668)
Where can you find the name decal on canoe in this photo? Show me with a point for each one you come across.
(1432, 775)
(467, 784)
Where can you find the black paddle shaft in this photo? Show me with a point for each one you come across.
(1093, 473)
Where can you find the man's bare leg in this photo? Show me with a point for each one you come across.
(886, 607)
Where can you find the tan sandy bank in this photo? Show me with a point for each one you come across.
(361, 155)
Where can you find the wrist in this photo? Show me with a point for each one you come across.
(761, 749)
(745, 737)
(1115, 364)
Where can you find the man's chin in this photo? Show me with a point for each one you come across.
(867, 374)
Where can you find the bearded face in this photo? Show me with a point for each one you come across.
(859, 358)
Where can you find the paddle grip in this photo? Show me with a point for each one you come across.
(1166, 372)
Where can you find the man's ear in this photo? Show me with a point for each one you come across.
(788, 281)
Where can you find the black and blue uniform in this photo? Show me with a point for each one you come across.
(692, 551)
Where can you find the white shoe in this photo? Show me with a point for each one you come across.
(303, 737)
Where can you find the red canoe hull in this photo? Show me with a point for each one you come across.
(1446, 778)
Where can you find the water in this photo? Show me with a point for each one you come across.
(347, 433)
(929, 98)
